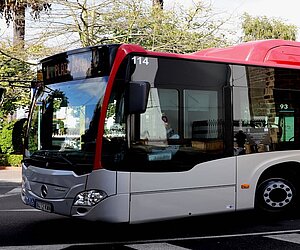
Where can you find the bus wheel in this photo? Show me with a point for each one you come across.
(276, 195)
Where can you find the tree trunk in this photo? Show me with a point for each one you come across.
(159, 2)
(19, 26)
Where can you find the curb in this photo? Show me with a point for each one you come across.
(10, 183)
(9, 168)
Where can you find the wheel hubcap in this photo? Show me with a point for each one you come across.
(278, 194)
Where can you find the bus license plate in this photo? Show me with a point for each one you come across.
(44, 206)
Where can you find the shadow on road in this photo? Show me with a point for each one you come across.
(62, 230)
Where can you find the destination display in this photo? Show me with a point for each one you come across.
(66, 67)
(77, 64)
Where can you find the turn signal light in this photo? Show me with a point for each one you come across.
(245, 186)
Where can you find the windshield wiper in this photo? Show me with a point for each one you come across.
(47, 155)
(65, 159)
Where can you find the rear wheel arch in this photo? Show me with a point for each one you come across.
(278, 188)
(283, 170)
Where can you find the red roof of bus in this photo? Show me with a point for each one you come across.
(273, 52)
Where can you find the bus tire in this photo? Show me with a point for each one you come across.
(276, 195)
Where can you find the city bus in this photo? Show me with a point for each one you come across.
(120, 134)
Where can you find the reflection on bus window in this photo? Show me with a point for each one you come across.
(160, 121)
(265, 109)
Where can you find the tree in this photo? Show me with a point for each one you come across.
(160, 3)
(16, 76)
(257, 28)
(179, 30)
(16, 72)
(74, 22)
(87, 22)
(14, 11)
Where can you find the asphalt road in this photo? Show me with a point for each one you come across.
(22, 227)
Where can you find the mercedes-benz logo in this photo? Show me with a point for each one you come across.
(44, 191)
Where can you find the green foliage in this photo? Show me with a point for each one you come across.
(10, 160)
(15, 76)
(14, 159)
(6, 138)
(111, 110)
(11, 136)
(258, 28)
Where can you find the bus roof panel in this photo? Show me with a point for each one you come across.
(273, 52)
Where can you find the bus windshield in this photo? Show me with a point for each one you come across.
(65, 120)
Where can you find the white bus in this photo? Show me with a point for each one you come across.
(120, 134)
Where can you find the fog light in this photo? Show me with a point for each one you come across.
(89, 198)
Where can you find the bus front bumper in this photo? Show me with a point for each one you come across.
(113, 209)
(58, 206)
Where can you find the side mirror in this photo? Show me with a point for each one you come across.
(2, 94)
(136, 97)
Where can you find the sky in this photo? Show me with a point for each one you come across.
(287, 10)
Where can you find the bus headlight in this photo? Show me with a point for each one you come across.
(89, 198)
